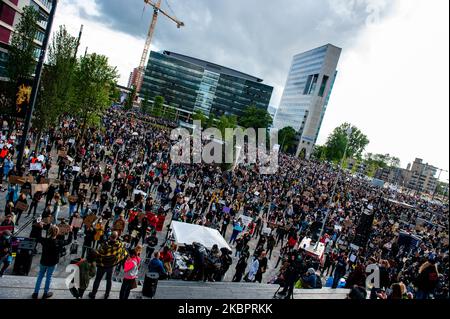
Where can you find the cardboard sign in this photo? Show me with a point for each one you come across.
(73, 198)
(84, 186)
(21, 206)
(64, 229)
(89, 220)
(62, 153)
(17, 180)
(119, 225)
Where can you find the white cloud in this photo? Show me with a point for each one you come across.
(394, 83)
(123, 50)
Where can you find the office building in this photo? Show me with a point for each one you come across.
(10, 13)
(418, 176)
(307, 93)
(189, 84)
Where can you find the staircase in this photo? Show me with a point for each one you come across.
(16, 287)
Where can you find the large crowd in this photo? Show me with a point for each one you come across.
(120, 184)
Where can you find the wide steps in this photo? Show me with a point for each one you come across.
(17, 287)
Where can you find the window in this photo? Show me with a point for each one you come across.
(7, 14)
(311, 84)
(324, 85)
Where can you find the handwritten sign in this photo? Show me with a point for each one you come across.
(64, 229)
(89, 220)
(84, 186)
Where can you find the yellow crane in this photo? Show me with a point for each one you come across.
(139, 72)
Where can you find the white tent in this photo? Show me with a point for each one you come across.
(184, 233)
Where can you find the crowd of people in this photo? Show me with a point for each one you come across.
(119, 183)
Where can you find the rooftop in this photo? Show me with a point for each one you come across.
(212, 66)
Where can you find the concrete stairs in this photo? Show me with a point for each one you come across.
(16, 287)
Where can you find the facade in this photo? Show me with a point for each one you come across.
(10, 12)
(307, 93)
(418, 177)
(189, 84)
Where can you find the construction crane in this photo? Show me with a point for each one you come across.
(138, 74)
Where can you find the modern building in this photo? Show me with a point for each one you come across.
(307, 93)
(272, 111)
(189, 84)
(10, 13)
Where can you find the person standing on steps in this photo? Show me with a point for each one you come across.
(51, 251)
(110, 254)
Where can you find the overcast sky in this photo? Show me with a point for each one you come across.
(393, 73)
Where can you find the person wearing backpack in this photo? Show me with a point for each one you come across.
(131, 269)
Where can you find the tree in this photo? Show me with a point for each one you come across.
(286, 137)
(212, 119)
(128, 105)
(145, 104)
(95, 81)
(199, 116)
(57, 89)
(227, 121)
(158, 106)
(337, 142)
(319, 153)
(21, 61)
(255, 118)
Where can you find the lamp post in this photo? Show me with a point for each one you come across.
(35, 89)
(349, 133)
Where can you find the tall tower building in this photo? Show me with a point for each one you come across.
(306, 94)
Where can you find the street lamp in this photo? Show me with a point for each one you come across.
(349, 133)
(35, 89)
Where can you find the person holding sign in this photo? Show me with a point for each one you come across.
(51, 251)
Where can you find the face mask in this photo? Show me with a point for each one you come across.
(7, 237)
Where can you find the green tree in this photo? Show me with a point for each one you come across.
(255, 118)
(21, 61)
(170, 113)
(199, 116)
(128, 105)
(158, 106)
(338, 140)
(145, 104)
(57, 88)
(227, 121)
(319, 153)
(287, 137)
(95, 81)
(212, 120)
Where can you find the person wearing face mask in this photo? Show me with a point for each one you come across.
(5, 251)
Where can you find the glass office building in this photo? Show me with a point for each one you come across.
(189, 84)
(307, 93)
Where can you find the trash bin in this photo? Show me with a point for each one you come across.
(150, 284)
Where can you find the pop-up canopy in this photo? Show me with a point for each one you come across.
(186, 234)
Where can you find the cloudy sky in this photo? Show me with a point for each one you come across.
(393, 74)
